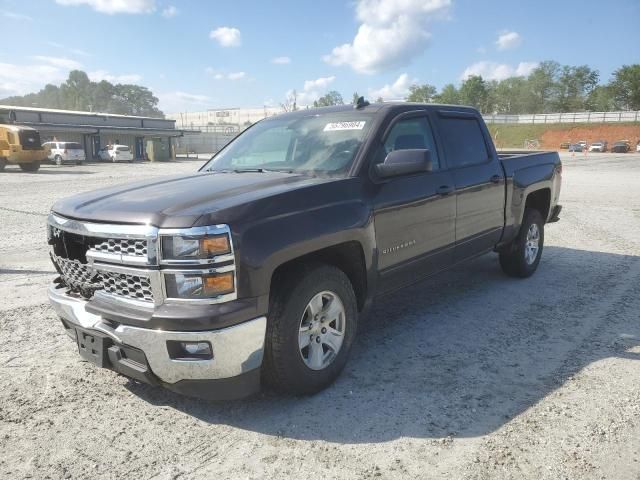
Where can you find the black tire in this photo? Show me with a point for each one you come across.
(113, 159)
(3, 163)
(79, 162)
(58, 160)
(284, 368)
(513, 259)
(30, 167)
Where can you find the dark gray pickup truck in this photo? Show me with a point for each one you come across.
(258, 267)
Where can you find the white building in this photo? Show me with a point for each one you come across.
(238, 118)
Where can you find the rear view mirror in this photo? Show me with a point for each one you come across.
(405, 162)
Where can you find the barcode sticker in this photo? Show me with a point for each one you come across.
(334, 127)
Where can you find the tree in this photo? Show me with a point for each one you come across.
(379, 100)
(625, 87)
(290, 103)
(474, 92)
(510, 95)
(448, 95)
(572, 88)
(331, 98)
(355, 97)
(421, 93)
(601, 99)
(78, 92)
(542, 86)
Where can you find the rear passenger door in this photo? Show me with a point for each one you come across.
(414, 215)
(479, 182)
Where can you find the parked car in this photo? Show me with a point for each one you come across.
(564, 145)
(638, 146)
(583, 143)
(262, 264)
(116, 153)
(21, 146)
(621, 146)
(598, 146)
(64, 152)
(576, 147)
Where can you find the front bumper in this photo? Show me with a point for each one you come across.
(237, 350)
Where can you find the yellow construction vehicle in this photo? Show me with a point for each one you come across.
(21, 146)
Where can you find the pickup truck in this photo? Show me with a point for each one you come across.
(257, 268)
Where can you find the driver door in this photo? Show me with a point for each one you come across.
(414, 215)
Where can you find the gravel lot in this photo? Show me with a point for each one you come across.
(468, 375)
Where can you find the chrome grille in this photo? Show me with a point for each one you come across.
(136, 287)
(122, 246)
(78, 276)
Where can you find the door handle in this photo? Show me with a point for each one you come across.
(496, 179)
(444, 190)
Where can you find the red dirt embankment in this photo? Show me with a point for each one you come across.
(552, 138)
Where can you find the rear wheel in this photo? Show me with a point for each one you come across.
(79, 162)
(3, 163)
(312, 325)
(113, 159)
(522, 256)
(30, 167)
(58, 160)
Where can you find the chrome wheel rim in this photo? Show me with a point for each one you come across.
(321, 331)
(532, 245)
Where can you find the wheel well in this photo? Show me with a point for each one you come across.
(348, 257)
(541, 201)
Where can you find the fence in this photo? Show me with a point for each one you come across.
(569, 117)
(203, 142)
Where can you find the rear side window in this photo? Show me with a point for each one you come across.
(73, 146)
(463, 141)
(122, 149)
(412, 133)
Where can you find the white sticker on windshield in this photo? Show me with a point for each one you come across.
(334, 127)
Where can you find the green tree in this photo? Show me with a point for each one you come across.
(355, 97)
(449, 95)
(78, 92)
(542, 87)
(572, 88)
(601, 99)
(331, 98)
(474, 92)
(421, 93)
(379, 100)
(625, 87)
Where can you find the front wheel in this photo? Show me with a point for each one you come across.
(30, 167)
(113, 159)
(522, 256)
(58, 160)
(310, 331)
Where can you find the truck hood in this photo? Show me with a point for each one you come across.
(179, 201)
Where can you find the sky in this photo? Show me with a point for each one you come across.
(200, 54)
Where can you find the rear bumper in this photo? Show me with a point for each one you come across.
(141, 353)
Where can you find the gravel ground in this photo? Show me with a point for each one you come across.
(469, 375)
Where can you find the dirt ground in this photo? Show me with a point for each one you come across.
(609, 132)
(470, 375)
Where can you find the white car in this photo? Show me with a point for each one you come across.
(116, 153)
(61, 152)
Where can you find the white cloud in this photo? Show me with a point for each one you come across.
(281, 60)
(99, 75)
(17, 16)
(498, 71)
(397, 90)
(313, 90)
(217, 75)
(112, 7)
(182, 101)
(226, 36)
(169, 12)
(61, 62)
(508, 40)
(22, 79)
(390, 35)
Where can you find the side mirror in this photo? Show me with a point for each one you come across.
(4, 145)
(405, 162)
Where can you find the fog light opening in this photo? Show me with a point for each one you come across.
(189, 350)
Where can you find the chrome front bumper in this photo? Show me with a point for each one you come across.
(236, 350)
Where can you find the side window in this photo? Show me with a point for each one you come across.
(412, 133)
(11, 138)
(463, 141)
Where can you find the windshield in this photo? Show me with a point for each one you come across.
(318, 143)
